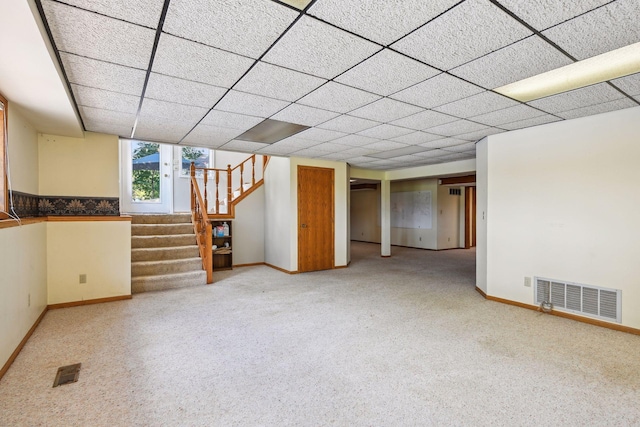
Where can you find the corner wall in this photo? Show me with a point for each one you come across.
(561, 202)
(277, 214)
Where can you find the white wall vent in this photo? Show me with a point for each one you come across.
(592, 301)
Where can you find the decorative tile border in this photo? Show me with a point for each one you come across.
(29, 205)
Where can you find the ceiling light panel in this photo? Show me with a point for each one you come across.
(319, 49)
(466, 32)
(270, 131)
(320, 135)
(385, 131)
(173, 89)
(417, 138)
(385, 110)
(107, 116)
(197, 62)
(355, 140)
(244, 27)
(210, 136)
(103, 75)
(443, 143)
(540, 120)
(243, 146)
(337, 97)
(507, 115)
(604, 107)
(95, 36)
(387, 72)
(304, 115)
(295, 143)
(483, 102)
(253, 105)
(544, 14)
(231, 120)
(105, 100)
(578, 98)
(348, 124)
(456, 128)
(412, 149)
(423, 120)
(277, 82)
(141, 12)
(298, 4)
(610, 27)
(437, 91)
(380, 21)
(518, 61)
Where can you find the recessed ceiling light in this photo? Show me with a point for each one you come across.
(270, 131)
(298, 4)
(616, 63)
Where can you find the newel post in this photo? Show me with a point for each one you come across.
(192, 171)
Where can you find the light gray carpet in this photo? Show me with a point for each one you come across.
(404, 341)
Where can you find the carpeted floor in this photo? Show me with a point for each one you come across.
(404, 341)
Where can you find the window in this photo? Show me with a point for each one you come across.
(3, 158)
(201, 157)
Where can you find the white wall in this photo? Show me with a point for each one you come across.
(482, 228)
(426, 238)
(448, 213)
(249, 229)
(561, 203)
(277, 213)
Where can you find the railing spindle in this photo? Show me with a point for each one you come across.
(253, 170)
(229, 190)
(217, 191)
(241, 178)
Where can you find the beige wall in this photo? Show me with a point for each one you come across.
(23, 152)
(448, 213)
(277, 213)
(365, 215)
(561, 202)
(86, 166)
(99, 249)
(248, 229)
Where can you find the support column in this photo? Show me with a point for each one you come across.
(385, 218)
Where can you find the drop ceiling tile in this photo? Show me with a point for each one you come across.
(629, 84)
(408, 160)
(159, 129)
(103, 75)
(403, 151)
(141, 12)
(478, 135)
(584, 97)
(229, 25)
(385, 131)
(385, 110)
(193, 61)
(540, 120)
(466, 32)
(106, 100)
(303, 115)
(107, 116)
(451, 157)
(542, 14)
(243, 146)
(317, 48)
(483, 102)
(610, 27)
(309, 153)
(277, 82)
(180, 91)
(437, 91)
(252, 105)
(618, 104)
(320, 135)
(338, 98)
(387, 72)
(515, 62)
(348, 124)
(358, 151)
(469, 146)
(210, 136)
(507, 115)
(176, 113)
(355, 140)
(276, 150)
(358, 160)
(423, 120)
(432, 153)
(335, 156)
(417, 138)
(384, 145)
(110, 128)
(457, 128)
(95, 36)
(380, 21)
(443, 143)
(330, 147)
(231, 120)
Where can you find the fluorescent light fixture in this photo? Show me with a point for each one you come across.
(298, 4)
(611, 65)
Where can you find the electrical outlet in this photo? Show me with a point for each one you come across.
(420, 239)
(527, 282)
(448, 239)
(83, 278)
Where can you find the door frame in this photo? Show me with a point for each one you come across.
(166, 181)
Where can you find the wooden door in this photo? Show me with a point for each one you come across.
(470, 217)
(316, 233)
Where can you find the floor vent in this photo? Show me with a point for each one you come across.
(601, 303)
(67, 374)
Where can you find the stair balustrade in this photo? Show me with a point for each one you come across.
(201, 226)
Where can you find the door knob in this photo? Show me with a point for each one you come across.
(166, 175)
(303, 226)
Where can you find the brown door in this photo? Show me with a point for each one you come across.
(470, 217)
(315, 219)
